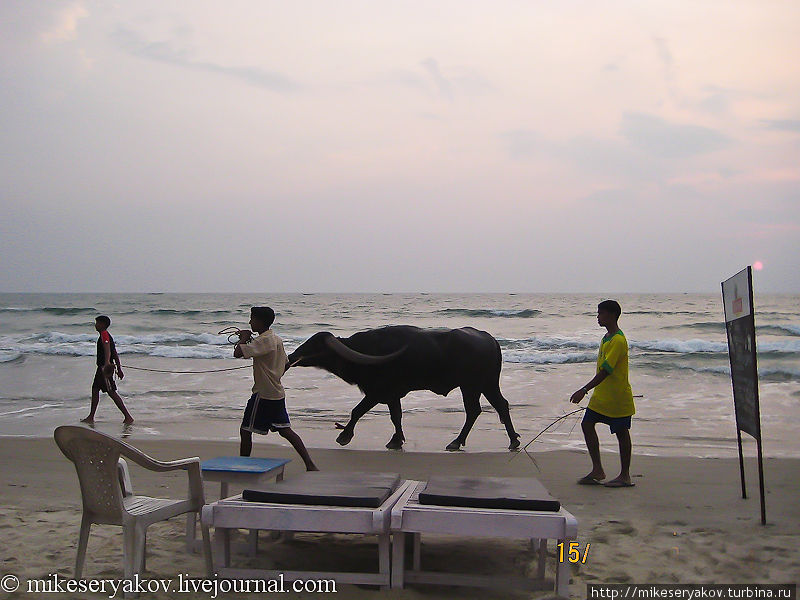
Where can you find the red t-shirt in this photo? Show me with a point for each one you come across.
(105, 338)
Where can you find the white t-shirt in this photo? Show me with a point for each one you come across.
(269, 364)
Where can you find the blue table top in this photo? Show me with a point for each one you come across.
(242, 464)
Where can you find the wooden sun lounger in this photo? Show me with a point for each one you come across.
(236, 512)
(409, 516)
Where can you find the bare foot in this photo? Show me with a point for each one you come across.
(312, 468)
(128, 421)
(88, 420)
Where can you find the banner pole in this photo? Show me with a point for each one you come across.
(741, 460)
(761, 483)
(757, 400)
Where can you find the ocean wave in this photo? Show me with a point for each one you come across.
(10, 357)
(692, 346)
(774, 374)
(56, 310)
(188, 352)
(213, 346)
(546, 343)
(697, 346)
(779, 329)
(209, 352)
(171, 393)
(56, 337)
(188, 312)
(659, 313)
(713, 326)
(482, 312)
(549, 358)
(716, 326)
(28, 409)
(668, 345)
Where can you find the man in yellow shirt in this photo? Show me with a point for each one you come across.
(612, 400)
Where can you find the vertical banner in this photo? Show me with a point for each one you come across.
(737, 297)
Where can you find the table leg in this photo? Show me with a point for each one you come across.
(562, 575)
(398, 558)
(384, 549)
(417, 554)
(222, 548)
(542, 552)
(252, 542)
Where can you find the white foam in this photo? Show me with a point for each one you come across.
(681, 346)
(29, 409)
(155, 338)
(698, 346)
(548, 358)
(9, 356)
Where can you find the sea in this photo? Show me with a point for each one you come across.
(182, 381)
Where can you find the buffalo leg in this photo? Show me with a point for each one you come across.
(359, 411)
(472, 406)
(500, 404)
(396, 413)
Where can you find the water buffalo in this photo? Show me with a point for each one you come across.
(389, 362)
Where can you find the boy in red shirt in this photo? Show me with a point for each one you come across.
(104, 376)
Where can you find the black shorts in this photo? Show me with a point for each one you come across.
(103, 383)
(262, 416)
(615, 423)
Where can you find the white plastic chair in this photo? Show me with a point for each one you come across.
(108, 497)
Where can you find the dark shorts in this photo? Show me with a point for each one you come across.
(262, 416)
(103, 383)
(615, 423)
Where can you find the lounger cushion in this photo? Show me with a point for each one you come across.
(518, 493)
(328, 488)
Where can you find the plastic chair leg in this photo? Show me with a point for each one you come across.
(83, 541)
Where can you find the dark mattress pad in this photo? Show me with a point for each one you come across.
(519, 493)
(329, 488)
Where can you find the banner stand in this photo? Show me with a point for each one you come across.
(737, 297)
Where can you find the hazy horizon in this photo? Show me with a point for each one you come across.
(454, 147)
(590, 293)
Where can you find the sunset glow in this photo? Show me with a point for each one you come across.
(401, 146)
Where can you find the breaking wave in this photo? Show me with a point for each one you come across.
(774, 374)
(549, 358)
(717, 327)
(55, 310)
(10, 357)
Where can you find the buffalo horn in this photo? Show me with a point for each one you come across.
(348, 353)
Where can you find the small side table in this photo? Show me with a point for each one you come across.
(240, 470)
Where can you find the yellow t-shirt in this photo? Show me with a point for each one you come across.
(269, 364)
(613, 397)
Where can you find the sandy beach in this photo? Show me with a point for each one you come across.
(684, 522)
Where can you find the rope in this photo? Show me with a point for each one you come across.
(559, 419)
(206, 371)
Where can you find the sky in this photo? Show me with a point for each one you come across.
(410, 146)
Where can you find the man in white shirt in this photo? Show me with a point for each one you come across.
(266, 409)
